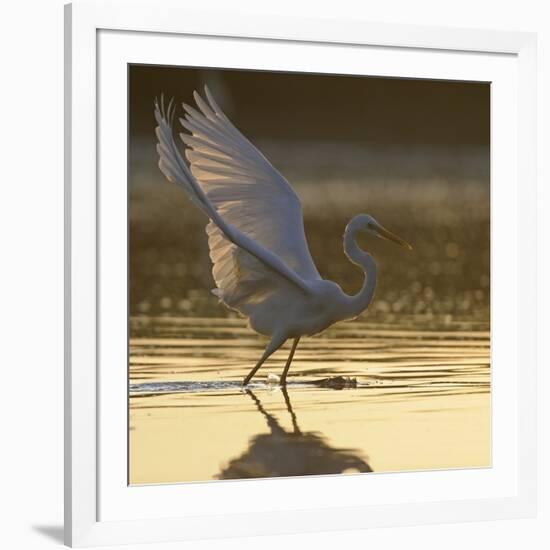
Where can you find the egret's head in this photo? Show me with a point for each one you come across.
(368, 223)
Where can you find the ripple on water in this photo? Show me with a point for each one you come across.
(365, 352)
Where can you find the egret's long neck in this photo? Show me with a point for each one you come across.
(360, 301)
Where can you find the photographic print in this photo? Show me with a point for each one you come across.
(309, 274)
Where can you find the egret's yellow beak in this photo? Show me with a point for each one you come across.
(385, 234)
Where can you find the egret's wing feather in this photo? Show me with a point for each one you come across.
(247, 191)
(242, 280)
(244, 269)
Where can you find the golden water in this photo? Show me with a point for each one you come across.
(421, 400)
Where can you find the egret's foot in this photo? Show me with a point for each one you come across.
(273, 379)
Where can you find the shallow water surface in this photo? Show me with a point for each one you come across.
(411, 395)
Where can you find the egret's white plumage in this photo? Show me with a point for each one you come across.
(262, 266)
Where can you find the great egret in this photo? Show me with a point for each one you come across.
(262, 266)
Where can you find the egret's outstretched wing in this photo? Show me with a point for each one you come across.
(246, 269)
(248, 192)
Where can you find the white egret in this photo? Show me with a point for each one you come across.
(262, 266)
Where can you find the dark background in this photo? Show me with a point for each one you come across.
(413, 153)
(374, 111)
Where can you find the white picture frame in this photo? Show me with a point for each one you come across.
(89, 450)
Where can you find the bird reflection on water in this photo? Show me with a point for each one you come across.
(282, 453)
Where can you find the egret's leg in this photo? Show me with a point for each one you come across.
(272, 347)
(289, 360)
